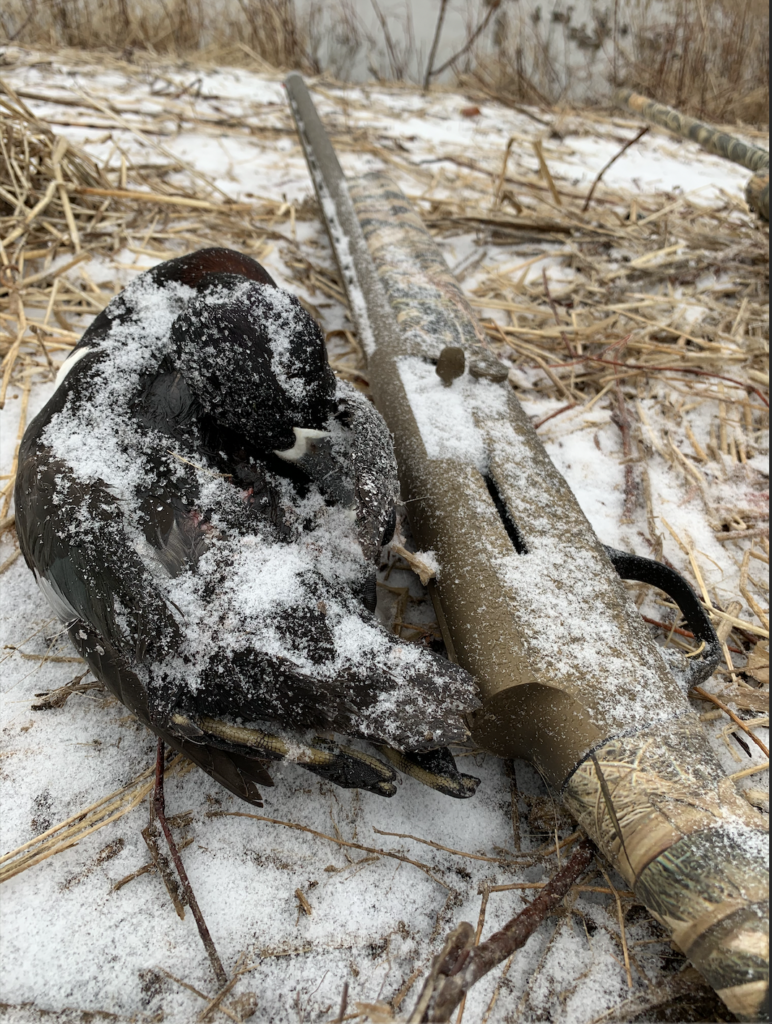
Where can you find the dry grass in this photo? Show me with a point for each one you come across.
(709, 58)
(92, 818)
(270, 29)
(619, 337)
(55, 201)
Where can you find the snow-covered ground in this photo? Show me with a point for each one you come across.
(69, 939)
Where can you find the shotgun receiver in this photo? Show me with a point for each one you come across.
(711, 139)
(531, 602)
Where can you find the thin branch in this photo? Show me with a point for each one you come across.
(449, 849)
(471, 40)
(612, 161)
(456, 945)
(151, 836)
(704, 695)
(214, 1003)
(339, 842)
(473, 964)
(552, 415)
(343, 1004)
(394, 61)
(203, 931)
(435, 43)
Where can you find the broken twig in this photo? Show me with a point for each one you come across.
(612, 161)
(471, 964)
(203, 931)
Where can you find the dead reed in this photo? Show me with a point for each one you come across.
(622, 338)
(710, 59)
(267, 29)
(70, 832)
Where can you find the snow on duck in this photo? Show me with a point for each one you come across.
(203, 504)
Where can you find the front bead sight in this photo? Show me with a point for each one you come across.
(482, 366)
(451, 364)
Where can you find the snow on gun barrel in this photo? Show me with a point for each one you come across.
(529, 599)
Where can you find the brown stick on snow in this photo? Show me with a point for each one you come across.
(203, 931)
(612, 161)
(451, 954)
(476, 963)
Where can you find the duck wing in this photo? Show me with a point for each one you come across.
(103, 593)
(276, 633)
(196, 579)
(73, 535)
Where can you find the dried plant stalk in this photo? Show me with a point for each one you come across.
(75, 828)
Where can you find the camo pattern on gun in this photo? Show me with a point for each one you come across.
(711, 139)
(653, 797)
(529, 601)
(690, 846)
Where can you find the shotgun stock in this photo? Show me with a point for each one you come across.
(530, 601)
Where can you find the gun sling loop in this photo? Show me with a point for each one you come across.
(646, 570)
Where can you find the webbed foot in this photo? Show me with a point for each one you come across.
(434, 768)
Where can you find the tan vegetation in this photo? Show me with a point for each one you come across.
(709, 58)
(618, 339)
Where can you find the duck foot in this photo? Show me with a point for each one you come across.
(203, 931)
(435, 769)
(344, 766)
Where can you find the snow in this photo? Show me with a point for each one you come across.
(246, 585)
(69, 939)
(662, 168)
(347, 266)
(445, 415)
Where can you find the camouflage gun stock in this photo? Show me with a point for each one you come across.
(712, 140)
(531, 602)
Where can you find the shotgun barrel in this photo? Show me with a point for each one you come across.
(711, 139)
(530, 602)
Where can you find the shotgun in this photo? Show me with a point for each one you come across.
(531, 602)
(711, 139)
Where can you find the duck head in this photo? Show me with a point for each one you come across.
(255, 360)
(255, 364)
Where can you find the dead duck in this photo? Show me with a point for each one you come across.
(203, 505)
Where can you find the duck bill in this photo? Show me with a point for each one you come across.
(314, 453)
